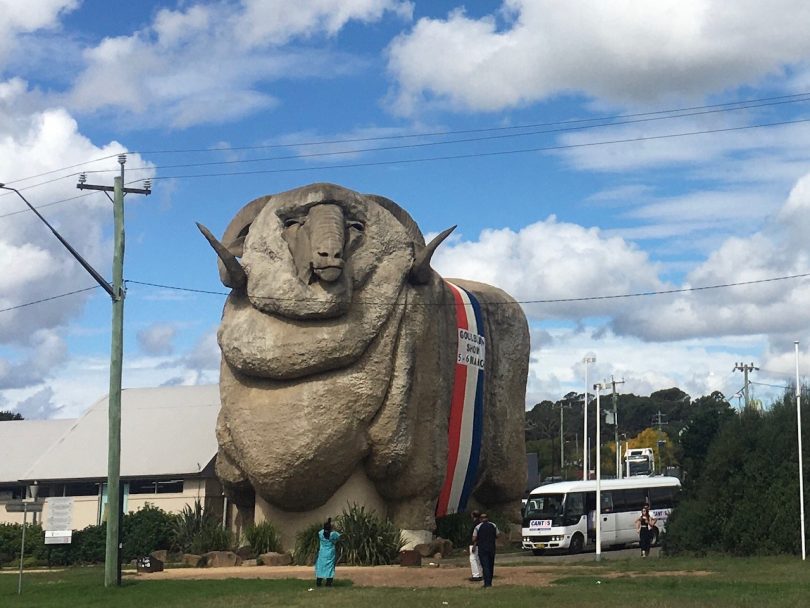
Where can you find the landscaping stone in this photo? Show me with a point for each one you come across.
(275, 559)
(195, 561)
(221, 559)
(410, 558)
(160, 554)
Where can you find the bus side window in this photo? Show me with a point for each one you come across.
(634, 499)
(662, 498)
(619, 500)
(607, 502)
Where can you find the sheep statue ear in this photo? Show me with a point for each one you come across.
(420, 271)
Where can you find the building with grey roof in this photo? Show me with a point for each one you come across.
(168, 449)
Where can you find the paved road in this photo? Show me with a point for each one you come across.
(588, 556)
(555, 558)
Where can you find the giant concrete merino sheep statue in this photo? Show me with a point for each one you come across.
(343, 351)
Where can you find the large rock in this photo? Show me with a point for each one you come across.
(161, 554)
(340, 351)
(275, 559)
(221, 559)
(438, 546)
(190, 559)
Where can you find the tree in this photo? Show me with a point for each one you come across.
(744, 500)
(711, 413)
(649, 438)
(4, 415)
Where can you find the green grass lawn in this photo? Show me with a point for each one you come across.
(755, 582)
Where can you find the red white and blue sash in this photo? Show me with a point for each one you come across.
(466, 407)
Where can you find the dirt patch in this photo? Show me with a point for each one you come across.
(397, 576)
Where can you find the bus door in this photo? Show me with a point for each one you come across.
(608, 527)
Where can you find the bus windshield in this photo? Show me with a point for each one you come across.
(545, 506)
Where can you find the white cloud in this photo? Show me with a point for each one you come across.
(39, 406)
(551, 260)
(18, 17)
(44, 351)
(204, 356)
(696, 366)
(624, 51)
(33, 264)
(278, 21)
(157, 339)
(208, 63)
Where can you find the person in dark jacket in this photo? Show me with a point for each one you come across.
(484, 537)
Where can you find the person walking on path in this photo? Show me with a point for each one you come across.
(327, 554)
(644, 525)
(484, 537)
(475, 563)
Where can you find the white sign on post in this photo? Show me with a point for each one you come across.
(58, 520)
(58, 537)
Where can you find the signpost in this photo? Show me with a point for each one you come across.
(59, 522)
(25, 506)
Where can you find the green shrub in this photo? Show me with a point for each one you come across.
(456, 528)
(146, 530)
(11, 537)
(263, 538)
(306, 545)
(89, 545)
(367, 539)
(197, 530)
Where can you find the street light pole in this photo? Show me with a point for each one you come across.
(587, 360)
(799, 432)
(562, 441)
(598, 390)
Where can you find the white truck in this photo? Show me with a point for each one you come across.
(639, 462)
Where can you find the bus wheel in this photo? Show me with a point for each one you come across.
(538, 551)
(576, 545)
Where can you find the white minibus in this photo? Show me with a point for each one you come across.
(561, 515)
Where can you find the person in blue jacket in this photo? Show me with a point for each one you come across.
(327, 554)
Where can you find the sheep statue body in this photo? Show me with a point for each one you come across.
(344, 355)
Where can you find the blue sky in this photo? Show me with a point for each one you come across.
(496, 116)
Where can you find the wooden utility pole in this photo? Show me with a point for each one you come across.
(112, 561)
(614, 382)
(745, 368)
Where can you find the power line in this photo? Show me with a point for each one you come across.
(656, 115)
(771, 385)
(430, 144)
(547, 301)
(52, 203)
(60, 201)
(782, 99)
(484, 154)
(56, 297)
(52, 171)
(439, 158)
